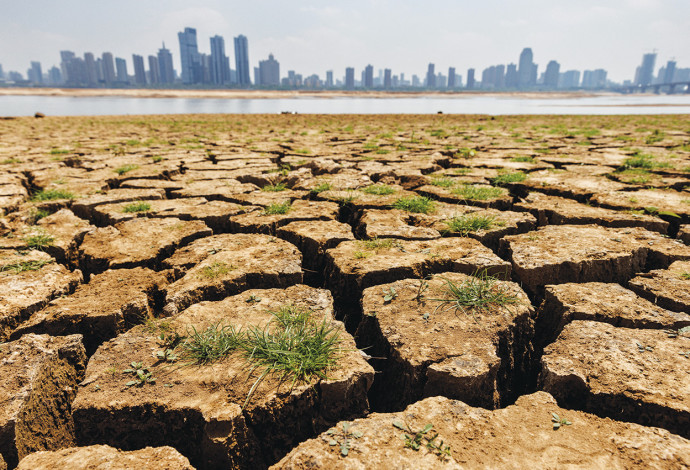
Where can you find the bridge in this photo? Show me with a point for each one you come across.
(669, 88)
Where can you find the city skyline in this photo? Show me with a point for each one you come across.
(315, 37)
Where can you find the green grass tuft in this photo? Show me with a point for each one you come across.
(466, 224)
(443, 182)
(22, 266)
(379, 243)
(51, 195)
(125, 169)
(40, 241)
(215, 270)
(278, 208)
(378, 190)
(140, 206)
(274, 188)
(321, 188)
(416, 204)
(523, 159)
(478, 193)
(506, 178)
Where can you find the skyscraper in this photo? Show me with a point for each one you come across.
(2, 74)
(165, 65)
(387, 79)
(121, 68)
(329, 79)
(646, 70)
(670, 71)
(269, 72)
(91, 70)
(511, 76)
(470, 79)
(368, 81)
(242, 60)
(139, 71)
(527, 69)
(35, 74)
(451, 77)
(189, 56)
(220, 64)
(551, 75)
(108, 68)
(430, 77)
(350, 78)
(154, 71)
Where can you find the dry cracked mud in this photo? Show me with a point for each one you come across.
(566, 239)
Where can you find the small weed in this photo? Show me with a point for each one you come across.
(466, 224)
(642, 348)
(558, 421)
(56, 151)
(11, 161)
(51, 195)
(142, 375)
(166, 355)
(477, 193)
(40, 241)
(36, 215)
(346, 200)
(415, 439)
(524, 159)
(478, 293)
(278, 208)
(378, 190)
(685, 276)
(415, 204)
(215, 270)
(214, 343)
(464, 153)
(389, 295)
(274, 188)
(156, 159)
(125, 169)
(344, 438)
(671, 333)
(140, 206)
(22, 266)
(361, 254)
(376, 243)
(321, 188)
(303, 151)
(507, 178)
(443, 182)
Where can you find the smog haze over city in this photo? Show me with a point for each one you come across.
(312, 37)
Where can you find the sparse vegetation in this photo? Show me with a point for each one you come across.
(557, 421)
(215, 270)
(321, 188)
(278, 208)
(466, 224)
(21, 266)
(39, 241)
(51, 195)
(142, 375)
(524, 158)
(507, 178)
(478, 193)
(443, 182)
(344, 438)
(415, 204)
(139, 206)
(125, 169)
(274, 188)
(415, 439)
(378, 190)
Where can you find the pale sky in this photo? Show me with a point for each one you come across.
(313, 36)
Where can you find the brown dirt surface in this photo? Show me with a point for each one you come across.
(137, 242)
(668, 288)
(573, 209)
(101, 457)
(519, 436)
(638, 375)
(236, 263)
(436, 346)
(601, 254)
(28, 281)
(108, 305)
(39, 375)
(197, 409)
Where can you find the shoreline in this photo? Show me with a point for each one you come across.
(284, 94)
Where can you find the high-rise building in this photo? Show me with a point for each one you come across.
(368, 77)
(430, 77)
(646, 69)
(553, 70)
(54, 76)
(329, 79)
(242, 61)
(189, 56)
(470, 79)
(139, 71)
(2, 74)
(35, 73)
(269, 72)
(511, 76)
(165, 65)
(220, 64)
(256, 75)
(108, 68)
(451, 77)
(387, 79)
(670, 71)
(154, 70)
(527, 69)
(91, 70)
(349, 78)
(569, 79)
(121, 69)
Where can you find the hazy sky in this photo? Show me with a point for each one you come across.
(313, 36)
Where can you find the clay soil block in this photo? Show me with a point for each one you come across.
(566, 184)
(215, 214)
(102, 457)
(197, 408)
(137, 242)
(554, 210)
(108, 305)
(451, 195)
(84, 207)
(671, 201)
(392, 224)
(684, 234)
(39, 375)
(519, 436)
(435, 347)
(668, 288)
(355, 265)
(27, 283)
(599, 301)
(228, 264)
(638, 375)
(313, 238)
(558, 254)
(214, 190)
(261, 222)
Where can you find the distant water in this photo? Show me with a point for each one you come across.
(463, 104)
